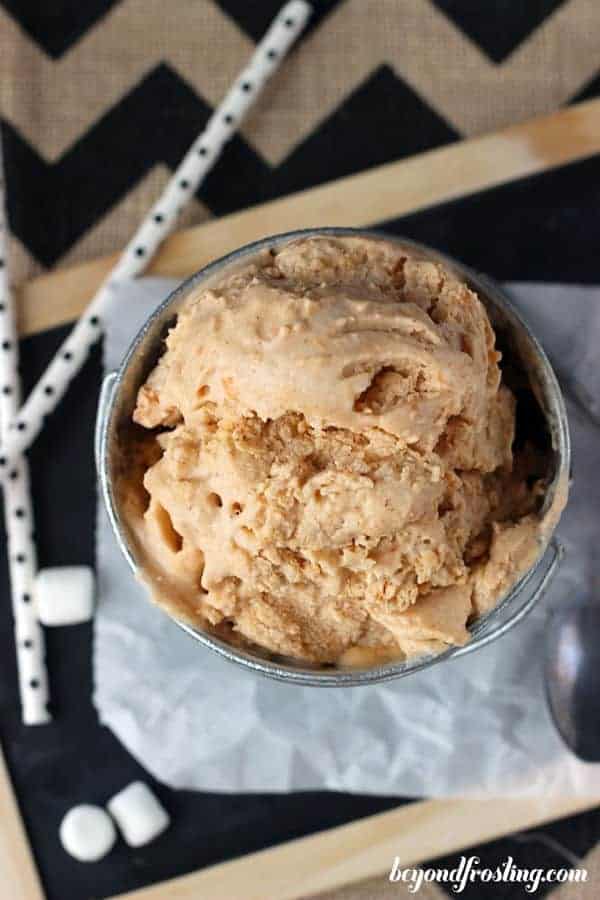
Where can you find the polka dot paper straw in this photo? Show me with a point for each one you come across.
(18, 512)
(160, 221)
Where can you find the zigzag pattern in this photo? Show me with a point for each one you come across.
(424, 47)
(393, 91)
(115, 227)
(133, 137)
(501, 26)
(144, 130)
(254, 18)
(56, 26)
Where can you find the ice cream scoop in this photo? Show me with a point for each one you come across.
(571, 670)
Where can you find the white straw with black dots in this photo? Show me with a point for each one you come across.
(18, 512)
(157, 225)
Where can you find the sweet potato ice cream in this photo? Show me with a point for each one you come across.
(330, 473)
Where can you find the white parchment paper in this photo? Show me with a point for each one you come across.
(470, 725)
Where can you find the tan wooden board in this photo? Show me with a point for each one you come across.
(421, 830)
(18, 875)
(364, 849)
(380, 194)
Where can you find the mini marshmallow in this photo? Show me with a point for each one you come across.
(64, 595)
(138, 813)
(87, 832)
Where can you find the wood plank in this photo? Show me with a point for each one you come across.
(380, 194)
(364, 849)
(18, 875)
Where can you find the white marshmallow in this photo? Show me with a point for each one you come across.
(64, 595)
(87, 832)
(138, 813)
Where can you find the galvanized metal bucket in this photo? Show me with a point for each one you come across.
(117, 401)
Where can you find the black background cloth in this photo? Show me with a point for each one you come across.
(542, 228)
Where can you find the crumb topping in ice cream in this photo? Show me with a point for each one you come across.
(332, 475)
